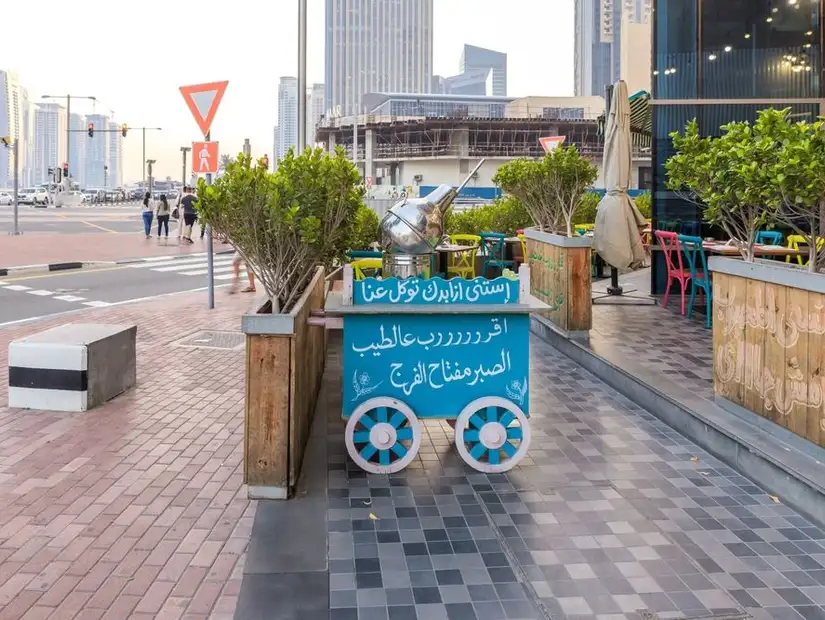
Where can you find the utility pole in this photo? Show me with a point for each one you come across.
(144, 160)
(68, 99)
(149, 163)
(210, 259)
(302, 76)
(184, 150)
(15, 154)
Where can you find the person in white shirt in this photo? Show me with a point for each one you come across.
(148, 214)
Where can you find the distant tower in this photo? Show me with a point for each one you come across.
(287, 116)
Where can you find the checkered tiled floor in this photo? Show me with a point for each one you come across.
(613, 515)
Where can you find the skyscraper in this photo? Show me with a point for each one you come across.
(97, 152)
(77, 149)
(476, 59)
(377, 46)
(115, 176)
(49, 140)
(598, 36)
(315, 110)
(13, 100)
(287, 116)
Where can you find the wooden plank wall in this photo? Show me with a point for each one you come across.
(561, 278)
(769, 352)
(308, 353)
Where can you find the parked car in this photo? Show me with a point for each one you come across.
(6, 199)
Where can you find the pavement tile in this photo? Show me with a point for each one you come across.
(94, 526)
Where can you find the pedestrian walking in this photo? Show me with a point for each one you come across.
(237, 259)
(178, 212)
(148, 214)
(163, 211)
(190, 215)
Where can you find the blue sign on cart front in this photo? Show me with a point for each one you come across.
(436, 363)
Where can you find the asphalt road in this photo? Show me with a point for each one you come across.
(89, 219)
(26, 297)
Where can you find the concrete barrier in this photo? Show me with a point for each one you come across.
(73, 367)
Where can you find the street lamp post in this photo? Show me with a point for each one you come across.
(184, 150)
(302, 75)
(149, 163)
(15, 154)
(68, 99)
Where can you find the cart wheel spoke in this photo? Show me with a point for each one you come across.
(367, 421)
(484, 438)
(404, 434)
(400, 450)
(397, 419)
(382, 414)
(368, 452)
(361, 436)
(384, 457)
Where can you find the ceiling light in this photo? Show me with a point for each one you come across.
(810, 32)
(656, 72)
(747, 35)
(775, 10)
(807, 45)
(797, 69)
(728, 48)
(769, 19)
(712, 57)
(808, 68)
(792, 2)
(673, 69)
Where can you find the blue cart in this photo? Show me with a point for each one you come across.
(453, 349)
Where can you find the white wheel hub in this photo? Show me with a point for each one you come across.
(492, 435)
(383, 436)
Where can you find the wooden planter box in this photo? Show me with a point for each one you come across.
(560, 277)
(284, 364)
(769, 343)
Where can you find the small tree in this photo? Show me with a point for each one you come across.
(286, 223)
(550, 189)
(730, 176)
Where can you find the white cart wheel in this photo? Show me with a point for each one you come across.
(492, 434)
(383, 435)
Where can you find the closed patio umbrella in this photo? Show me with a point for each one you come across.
(617, 236)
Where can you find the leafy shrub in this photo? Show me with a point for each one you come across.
(506, 215)
(365, 230)
(644, 203)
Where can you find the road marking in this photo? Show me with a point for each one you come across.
(17, 287)
(65, 272)
(41, 293)
(69, 298)
(108, 230)
(97, 304)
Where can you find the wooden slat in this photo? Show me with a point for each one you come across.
(776, 299)
(815, 431)
(720, 298)
(754, 352)
(578, 296)
(794, 386)
(267, 410)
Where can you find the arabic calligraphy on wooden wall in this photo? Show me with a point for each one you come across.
(560, 277)
(435, 291)
(434, 365)
(769, 352)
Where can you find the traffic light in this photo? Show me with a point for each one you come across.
(91, 130)
(65, 171)
(51, 171)
(123, 130)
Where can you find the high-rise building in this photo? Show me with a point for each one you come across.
(474, 60)
(115, 176)
(376, 46)
(27, 138)
(49, 140)
(598, 41)
(12, 125)
(287, 116)
(97, 152)
(276, 136)
(315, 110)
(77, 149)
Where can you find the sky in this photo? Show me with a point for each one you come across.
(133, 56)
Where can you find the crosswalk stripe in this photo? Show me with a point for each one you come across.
(216, 263)
(41, 293)
(166, 261)
(97, 304)
(69, 298)
(203, 272)
(17, 287)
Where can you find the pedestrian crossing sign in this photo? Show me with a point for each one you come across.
(205, 157)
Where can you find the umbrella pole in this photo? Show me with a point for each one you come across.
(614, 288)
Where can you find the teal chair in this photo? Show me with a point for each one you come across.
(770, 237)
(492, 250)
(353, 254)
(699, 274)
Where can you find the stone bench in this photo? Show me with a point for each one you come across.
(74, 367)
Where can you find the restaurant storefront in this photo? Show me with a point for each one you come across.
(723, 60)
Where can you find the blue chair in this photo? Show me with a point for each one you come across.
(492, 249)
(693, 229)
(770, 237)
(699, 273)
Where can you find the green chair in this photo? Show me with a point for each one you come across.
(699, 274)
(493, 247)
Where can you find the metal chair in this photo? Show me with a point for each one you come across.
(493, 244)
(669, 242)
(463, 264)
(794, 241)
(366, 264)
(699, 274)
(769, 237)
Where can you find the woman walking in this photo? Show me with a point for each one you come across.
(164, 212)
(148, 214)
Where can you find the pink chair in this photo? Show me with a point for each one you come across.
(669, 242)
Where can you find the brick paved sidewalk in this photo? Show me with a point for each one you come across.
(135, 509)
(38, 249)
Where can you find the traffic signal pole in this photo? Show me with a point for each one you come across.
(16, 230)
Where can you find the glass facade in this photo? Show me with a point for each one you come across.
(724, 60)
(441, 108)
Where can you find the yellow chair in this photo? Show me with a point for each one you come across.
(463, 264)
(523, 243)
(794, 241)
(369, 264)
(583, 228)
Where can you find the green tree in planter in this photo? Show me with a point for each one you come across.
(366, 229)
(550, 189)
(286, 223)
(732, 177)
